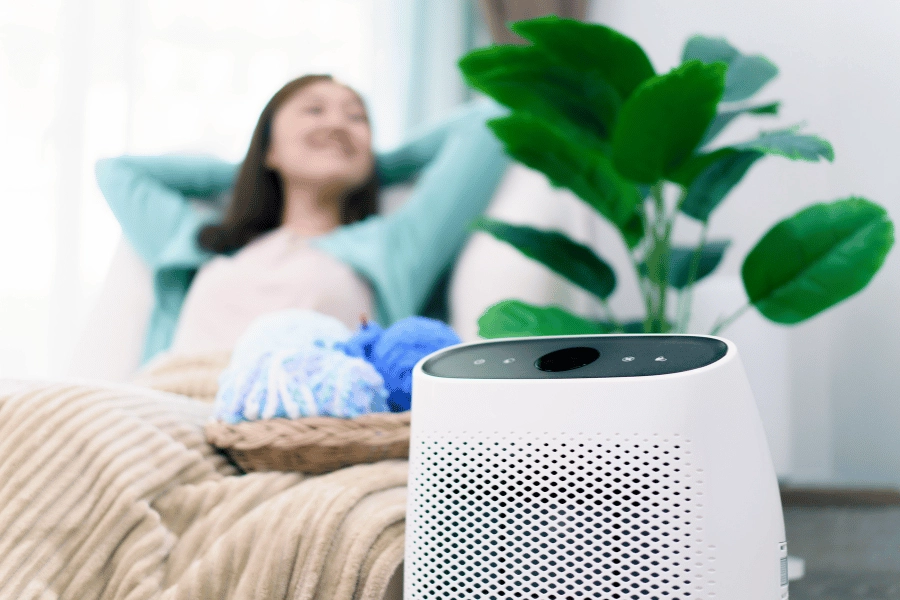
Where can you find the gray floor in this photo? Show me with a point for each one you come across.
(850, 553)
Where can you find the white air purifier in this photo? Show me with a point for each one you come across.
(591, 467)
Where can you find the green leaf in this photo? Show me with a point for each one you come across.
(725, 117)
(790, 144)
(528, 79)
(715, 181)
(696, 164)
(746, 75)
(588, 174)
(708, 50)
(710, 177)
(576, 262)
(817, 258)
(514, 318)
(761, 109)
(681, 259)
(593, 49)
(663, 121)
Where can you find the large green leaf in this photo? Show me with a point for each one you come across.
(725, 117)
(664, 119)
(816, 258)
(746, 75)
(514, 318)
(789, 143)
(715, 181)
(576, 262)
(681, 259)
(591, 48)
(588, 173)
(710, 177)
(529, 79)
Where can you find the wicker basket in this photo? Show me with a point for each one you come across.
(312, 444)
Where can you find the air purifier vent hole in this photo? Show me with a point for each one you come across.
(590, 517)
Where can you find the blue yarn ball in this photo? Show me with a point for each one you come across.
(397, 350)
(362, 343)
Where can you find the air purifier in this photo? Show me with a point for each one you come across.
(590, 467)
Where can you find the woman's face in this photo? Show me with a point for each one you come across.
(321, 136)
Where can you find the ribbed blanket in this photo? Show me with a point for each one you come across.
(112, 492)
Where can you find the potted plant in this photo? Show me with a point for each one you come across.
(589, 111)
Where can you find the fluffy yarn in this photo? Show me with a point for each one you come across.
(290, 329)
(300, 363)
(287, 365)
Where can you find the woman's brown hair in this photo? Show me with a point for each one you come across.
(257, 202)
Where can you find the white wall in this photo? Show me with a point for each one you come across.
(839, 66)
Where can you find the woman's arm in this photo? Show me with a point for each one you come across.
(148, 195)
(401, 163)
(403, 254)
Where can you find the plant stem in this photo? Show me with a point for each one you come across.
(645, 291)
(643, 283)
(658, 263)
(686, 296)
(655, 260)
(659, 203)
(722, 324)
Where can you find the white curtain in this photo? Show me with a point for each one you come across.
(84, 79)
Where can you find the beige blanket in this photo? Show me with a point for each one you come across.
(194, 375)
(112, 492)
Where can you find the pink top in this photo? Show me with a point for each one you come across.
(278, 270)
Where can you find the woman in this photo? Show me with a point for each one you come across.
(300, 230)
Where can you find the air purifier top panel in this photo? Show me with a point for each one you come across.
(577, 357)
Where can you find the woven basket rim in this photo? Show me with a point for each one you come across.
(288, 434)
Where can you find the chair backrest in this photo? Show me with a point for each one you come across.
(486, 272)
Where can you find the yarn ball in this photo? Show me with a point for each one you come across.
(300, 382)
(362, 343)
(291, 329)
(400, 347)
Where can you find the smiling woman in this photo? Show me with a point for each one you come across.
(309, 169)
(300, 231)
(309, 166)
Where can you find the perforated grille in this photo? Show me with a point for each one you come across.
(557, 518)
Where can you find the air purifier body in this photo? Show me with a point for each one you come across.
(591, 467)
